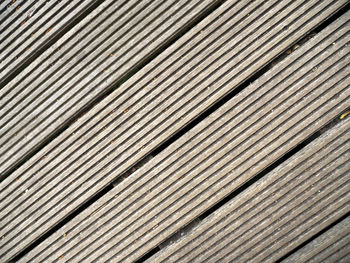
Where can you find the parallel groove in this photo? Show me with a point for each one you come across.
(86, 45)
(332, 215)
(10, 38)
(10, 13)
(342, 255)
(168, 22)
(244, 257)
(322, 205)
(31, 26)
(127, 119)
(146, 7)
(133, 36)
(256, 207)
(329, 243)
(285, 185)
(340, 87)
(5, 5)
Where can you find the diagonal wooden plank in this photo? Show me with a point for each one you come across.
(27, 26)
(276, 213)
(84, 63)
(248, 133)
(331, 246)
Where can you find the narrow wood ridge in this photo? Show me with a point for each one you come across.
(89, 60)
(331, 246)
(177, 131)
(277, 212)
(28, 28)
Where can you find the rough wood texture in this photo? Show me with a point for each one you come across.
(331, 246)
(248, 133)
(26, 26)
(277, 213)
(89, 59)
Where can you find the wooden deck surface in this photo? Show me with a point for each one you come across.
(174, 131)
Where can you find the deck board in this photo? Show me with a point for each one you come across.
(109, 59)
(88, 60)
(278, 212)
(26, 26)
(331, 246)
(159, 197)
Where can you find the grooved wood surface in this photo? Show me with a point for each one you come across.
(26, 26)
(332, 246)
(248, 133)
(278, 212)
(186, 104)
(89, 59)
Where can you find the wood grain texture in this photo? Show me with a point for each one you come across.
(251, 131)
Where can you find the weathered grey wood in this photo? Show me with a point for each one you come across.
(278, 212)
(86, 61)
(9, 12)
(251, 131)
(28, 25)
(334, 243)
(341, 255)
(272, 214)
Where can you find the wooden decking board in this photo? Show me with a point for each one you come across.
(92, 124)
(12, 14)
(335, 242)
(278, 212)
(86, 61)
(158, 197)
(9, 12)
(34, 196)
(28, 25)
(341, 255)
(338, 199)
